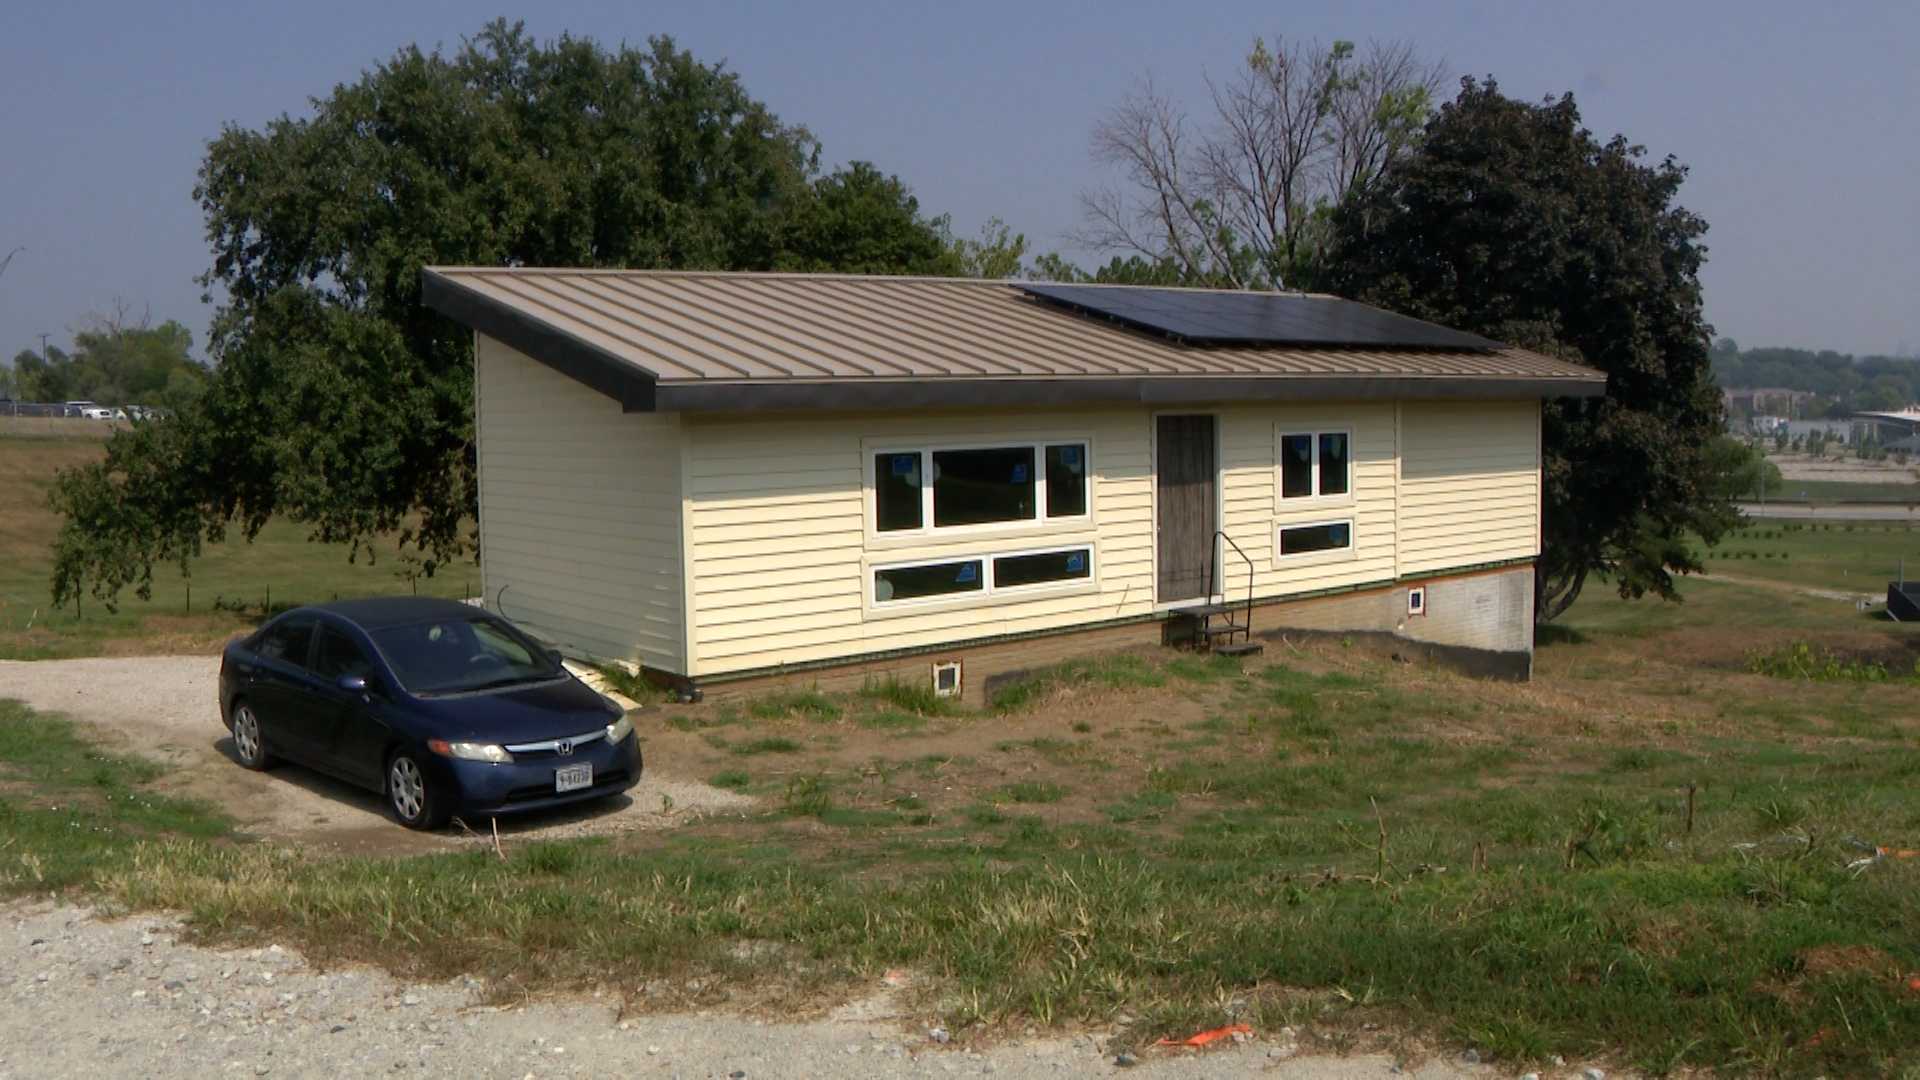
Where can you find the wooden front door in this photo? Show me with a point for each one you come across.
(1185, 475)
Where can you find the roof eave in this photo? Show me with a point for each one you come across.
(1159, 391)
(581, 361)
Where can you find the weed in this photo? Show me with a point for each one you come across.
(771, 744)
(810, 704)
(807, 796)
(731, 779)
(1117, 671)
(917, 699)
(1034, 791)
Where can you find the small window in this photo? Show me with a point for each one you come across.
(1333, 463)
(896, 491)
(1013, 571)
(288, 642)
(1315, 464)
(1296, 466)
(933, 579)
(1306, 539)
(1067, 480)
(974, 487)
(340, 656)
(1417, 600)
(946, 678)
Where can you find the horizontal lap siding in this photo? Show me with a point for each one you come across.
(1253, 510)
(1469, 484)
(780, 552)
(579, 513)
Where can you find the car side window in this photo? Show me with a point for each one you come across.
(340, 656)
(500, 645)
(288, 642)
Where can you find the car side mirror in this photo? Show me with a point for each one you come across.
(554, 655)
(352, 684)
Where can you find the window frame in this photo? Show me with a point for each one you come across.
(1307, 558)
(872, 449)
(1313, 432)
(991, 591)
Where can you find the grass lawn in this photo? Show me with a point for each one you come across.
(1645, 856)
(1842, 491)
(232, 582)
(1857, 556)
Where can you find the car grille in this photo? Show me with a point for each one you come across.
(550, 748)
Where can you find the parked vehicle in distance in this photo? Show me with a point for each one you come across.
(97, 413)
(79, 408)
(442, 707)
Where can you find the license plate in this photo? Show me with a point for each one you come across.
(573, 777)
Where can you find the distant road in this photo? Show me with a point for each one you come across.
(1830, 511)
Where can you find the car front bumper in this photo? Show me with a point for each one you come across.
(484, 788)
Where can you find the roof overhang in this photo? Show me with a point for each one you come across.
(638, 389)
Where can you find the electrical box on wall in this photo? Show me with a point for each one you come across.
(946, 678)
(1417, 601)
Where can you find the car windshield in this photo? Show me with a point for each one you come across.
(449, 656)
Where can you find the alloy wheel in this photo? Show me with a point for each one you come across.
(246, 734)
(407, 788)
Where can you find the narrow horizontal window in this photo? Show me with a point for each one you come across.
(1067, 480)
(1013, 571)
(896, 491)
(933, 579)
(1305, 539)
(974, 487)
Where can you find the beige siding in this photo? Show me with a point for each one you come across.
(782, 555)
(579, 513)
(1469, 484)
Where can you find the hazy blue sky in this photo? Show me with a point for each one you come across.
(1801, 121)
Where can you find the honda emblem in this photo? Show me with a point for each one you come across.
(563, 747)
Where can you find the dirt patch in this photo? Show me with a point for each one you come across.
(165, 708)
(1828, 961)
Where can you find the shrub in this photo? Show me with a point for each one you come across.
(1801, 660)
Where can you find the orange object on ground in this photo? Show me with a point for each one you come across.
(1206, 1037)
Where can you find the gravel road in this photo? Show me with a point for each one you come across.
(165, 707)
(85, 997)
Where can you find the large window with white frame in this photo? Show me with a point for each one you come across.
(1314, 464)
(1323, 538)
(970, 576)
(930, 488)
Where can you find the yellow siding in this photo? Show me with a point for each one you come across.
(782, 556)
(579, 512)
(1469, 483)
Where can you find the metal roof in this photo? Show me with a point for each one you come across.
(691, 340)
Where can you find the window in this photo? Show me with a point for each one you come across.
(1014, 571)
(288, 642)
(340, 656)
(1307, 539)
(462, 654)
(1315, 464)
(973, 487)
(896, 491)
(953, 487)
(1417, 600)
(895, 583)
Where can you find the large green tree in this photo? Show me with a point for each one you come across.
(341, 402)
(1512, 220)
(115, 361)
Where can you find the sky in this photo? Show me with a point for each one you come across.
(1800, 122)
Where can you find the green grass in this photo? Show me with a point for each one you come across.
(1855, 556)
(1116, 671)
(1841, 491)
(731, 779)
(232, 584)
(1033, 791)
(770, 744)
(810, 704)
(917, 699)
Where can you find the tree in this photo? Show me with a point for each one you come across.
(1744, 471)
(999, 254)
(1513, 221)
(338, 400)
(1244, 199)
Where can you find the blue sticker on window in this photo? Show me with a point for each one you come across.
(1070, 456)
(1020, 473)
(1076, 562)
(969, 573)
(905, 464)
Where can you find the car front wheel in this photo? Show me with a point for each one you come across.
(249, 744)
(413, 795)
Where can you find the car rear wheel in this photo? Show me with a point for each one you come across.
(413, 795)
(249, 744)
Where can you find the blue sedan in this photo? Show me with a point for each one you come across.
(441, 707)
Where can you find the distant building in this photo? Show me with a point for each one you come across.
(1766, 400)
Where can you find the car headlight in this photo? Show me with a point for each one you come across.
(471, 751)
(619, 729)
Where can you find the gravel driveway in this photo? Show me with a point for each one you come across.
(89, 998)
(165, 707)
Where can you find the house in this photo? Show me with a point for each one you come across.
(731, 478)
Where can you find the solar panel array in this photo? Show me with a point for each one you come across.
(1200, 317)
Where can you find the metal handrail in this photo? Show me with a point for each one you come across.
(1247, 624)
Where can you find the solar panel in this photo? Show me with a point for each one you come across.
(1257, 318)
